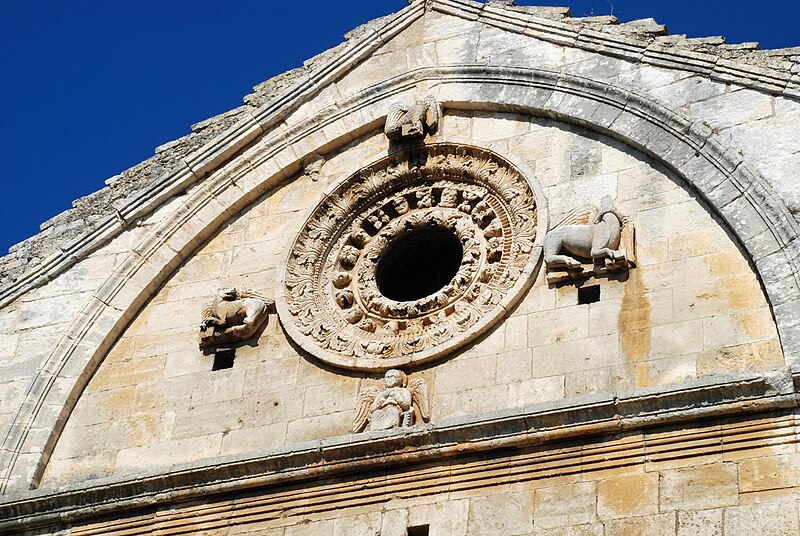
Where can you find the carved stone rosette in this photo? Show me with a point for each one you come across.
(330, 301)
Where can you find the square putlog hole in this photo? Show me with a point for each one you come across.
(419, 530)
(223, 359)
(588, 294)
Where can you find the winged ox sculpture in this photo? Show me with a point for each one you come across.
(603, 237)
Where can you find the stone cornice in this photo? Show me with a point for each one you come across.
(610, 39)
(726, 395)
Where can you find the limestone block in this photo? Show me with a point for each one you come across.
(321, 426)
(570, 356)
(81, 441)
(557, 326)
(168, 341)
(49, 311)
(769, 472)
(507, 513)
(666, 370)
(514, 365)
(254, 439)
(628, 496)
(330, 397)
(273, 407)
(593, 529)
(444, 518)
(218, 386)
(697, 243)
(395, 522)
(516, 336)
(489, 126)
(366, 524)
(165, 395)
(761, 355)
(123, 373)
(697, 488)
(273, 374)
(469, 401)
(700, 523)
(738, 328)
(687, 91)
(769, 519)
(665, 221)
(539, 298)
(207, 419)
(586, 382)
(734, 108)
(8, 348)
(535, 391)
(572, 504)
(565, 196)
(158, 455)
(65, 471)
(185, 363)
(635, 526)
(463, 374)
(183, 315)
(104, 406)
(311, 528)
(135, 431)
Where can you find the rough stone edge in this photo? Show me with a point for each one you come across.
(72, 235)
(97, 218)
(641, 40)
(591, 415)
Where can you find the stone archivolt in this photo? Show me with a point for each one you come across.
(331, 301)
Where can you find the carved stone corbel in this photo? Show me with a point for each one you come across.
(233, 316)
(415, 121)
(590, 242)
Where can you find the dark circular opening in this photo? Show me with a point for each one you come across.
(418, 263)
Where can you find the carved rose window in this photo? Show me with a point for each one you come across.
(411, 257)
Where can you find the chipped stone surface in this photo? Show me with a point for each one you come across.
(666, 406)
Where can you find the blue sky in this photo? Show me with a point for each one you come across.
(90, 88)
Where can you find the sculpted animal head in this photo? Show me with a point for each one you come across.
(227, 294)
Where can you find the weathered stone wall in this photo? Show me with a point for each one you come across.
(693, 307)
(123, 302)
(732, 477)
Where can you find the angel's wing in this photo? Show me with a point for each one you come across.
(580, 216)
(419, 398)
(393, 119)
(628, 242)
(431, 112)
(208, 311)
(365, 399)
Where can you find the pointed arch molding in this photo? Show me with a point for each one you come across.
(743, 199)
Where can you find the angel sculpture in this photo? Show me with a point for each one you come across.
(411, 122)
(402, 403)
(594, 235)
(233, 316)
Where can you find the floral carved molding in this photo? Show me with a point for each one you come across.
(338, 303)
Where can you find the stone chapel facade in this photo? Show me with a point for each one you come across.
(479, 270)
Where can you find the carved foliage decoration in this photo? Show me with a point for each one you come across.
(330, 300)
